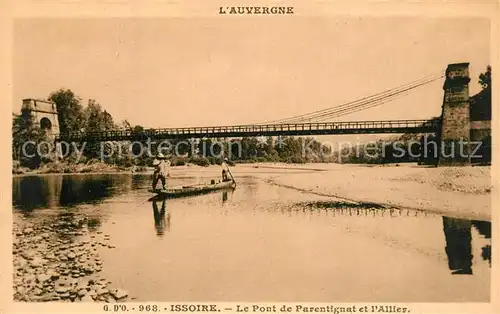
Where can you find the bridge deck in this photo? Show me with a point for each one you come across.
(304, 129)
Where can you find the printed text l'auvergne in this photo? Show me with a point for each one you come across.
(256, 10)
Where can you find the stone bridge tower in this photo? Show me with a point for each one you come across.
(455, 118)
(43, 114)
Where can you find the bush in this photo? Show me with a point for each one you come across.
(204, 162)
(200, 161)
(212, 160)
(30, 163)
(178, 162)
(141, 169)
(19, 170)
(53, 168)
(272, 158)
(295, 160)
(245, 161)
(85, 170)
(127, 163)
(16, 168)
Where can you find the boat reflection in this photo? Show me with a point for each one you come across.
(162, 221)
(162, 217)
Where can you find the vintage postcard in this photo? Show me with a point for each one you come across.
(238, 157)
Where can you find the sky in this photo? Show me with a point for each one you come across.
(174, 72)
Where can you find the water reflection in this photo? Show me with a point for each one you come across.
(457, 231)
(484, 228)
(161, 224)
(35, 192)
(139, 180)
(341, 208)
(227, 196)
(458, 245)
(80, 190)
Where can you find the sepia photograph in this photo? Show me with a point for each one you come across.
(257, 155)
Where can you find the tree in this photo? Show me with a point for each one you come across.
(481, 102)
(125, 125)
(24, 132)
(94, 120)
(107, 120)
(138, 129)
(69, 110)
(485, 78)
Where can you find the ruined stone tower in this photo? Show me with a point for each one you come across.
(455, 126)
(43, 114)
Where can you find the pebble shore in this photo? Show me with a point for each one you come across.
(58, 261)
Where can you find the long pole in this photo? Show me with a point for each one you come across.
(230, 174)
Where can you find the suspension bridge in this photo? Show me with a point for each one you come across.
(313, 123)
(282, 129)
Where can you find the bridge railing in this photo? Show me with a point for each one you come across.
(255, 128)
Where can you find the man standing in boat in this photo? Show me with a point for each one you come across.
(225, 170)
(162, 170)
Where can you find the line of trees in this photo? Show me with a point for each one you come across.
(268, 149)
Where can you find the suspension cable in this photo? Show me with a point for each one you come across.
(359, 104)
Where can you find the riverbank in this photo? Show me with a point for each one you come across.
(457, 191)
(64, 167)
(97, 166)
(59, 260)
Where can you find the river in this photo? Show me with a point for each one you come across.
(262, 242)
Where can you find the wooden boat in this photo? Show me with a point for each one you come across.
(193, 189)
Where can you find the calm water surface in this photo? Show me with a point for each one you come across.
(266, 243)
